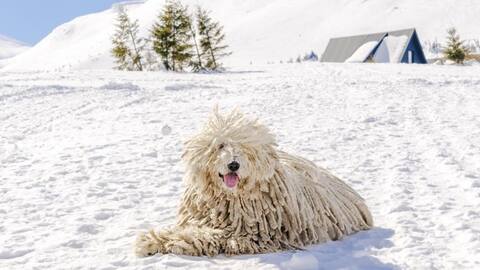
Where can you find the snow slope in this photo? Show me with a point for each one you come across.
(90, 158)
(259, 31)
(10, 47)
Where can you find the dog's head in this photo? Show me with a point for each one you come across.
(232, 153)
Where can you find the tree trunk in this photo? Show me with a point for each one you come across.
(139, 64)
(211, 52)
(196, 47)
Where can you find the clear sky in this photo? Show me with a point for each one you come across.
(31, 20)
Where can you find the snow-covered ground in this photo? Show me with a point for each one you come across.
(90, 158)
(258, 31)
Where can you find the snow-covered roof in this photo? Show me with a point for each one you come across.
(391, 49)
(342, 48)
(362, 53)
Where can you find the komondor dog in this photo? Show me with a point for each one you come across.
(245, 196)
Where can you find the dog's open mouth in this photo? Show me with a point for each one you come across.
(231, 179)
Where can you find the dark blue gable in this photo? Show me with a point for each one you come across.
(416, 50)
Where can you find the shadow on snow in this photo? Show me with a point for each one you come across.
(353, 252)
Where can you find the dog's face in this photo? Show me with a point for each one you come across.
(232, 154)
(231, 164)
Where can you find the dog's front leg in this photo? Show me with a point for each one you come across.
(188, 240)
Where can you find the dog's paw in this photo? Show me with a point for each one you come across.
(241, 245)
(181, 247)
(147, 245)
(231, 248)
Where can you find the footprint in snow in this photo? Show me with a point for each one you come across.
(88, 228)
(103, 216)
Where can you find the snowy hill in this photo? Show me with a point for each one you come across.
(90, 158)
(259, 31)
(10, 47)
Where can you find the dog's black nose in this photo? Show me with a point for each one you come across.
(233, 166)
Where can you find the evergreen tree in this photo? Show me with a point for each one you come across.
(172, 36)
(436, 47)
(312, 56)
(150, 61)
(211, 40)
(455, 49)
(127, 47)
(196, 64)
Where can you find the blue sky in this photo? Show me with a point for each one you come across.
(31, 20)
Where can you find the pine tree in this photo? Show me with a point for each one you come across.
(127, 47)
(312, 56)
(172, 36)
(196, 64)
(436, 47)
(211, 40)
(455, 49)
(150, 61)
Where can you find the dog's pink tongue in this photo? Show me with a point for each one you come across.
(231, 180)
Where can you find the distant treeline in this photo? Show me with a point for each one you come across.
(178, 41)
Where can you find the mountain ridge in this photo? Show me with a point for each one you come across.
(10, 47)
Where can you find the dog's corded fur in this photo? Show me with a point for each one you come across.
(280, 202)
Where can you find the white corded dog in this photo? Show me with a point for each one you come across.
(244, 196)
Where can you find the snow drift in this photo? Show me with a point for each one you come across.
(258, 31)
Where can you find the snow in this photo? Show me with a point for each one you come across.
(258, 31)
(391, 49)
(120, 86)
(361, 54)
(10, 47)
(90, 158)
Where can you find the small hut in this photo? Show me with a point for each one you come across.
(401, 46)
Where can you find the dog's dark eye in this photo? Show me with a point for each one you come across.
(221, 146)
